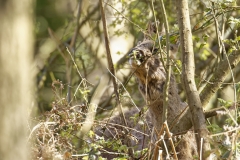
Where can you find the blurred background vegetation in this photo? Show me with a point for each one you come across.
(126, 20)
(69, 77)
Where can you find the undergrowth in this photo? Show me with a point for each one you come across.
(56, 136)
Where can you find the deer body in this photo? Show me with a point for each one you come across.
(151, 77)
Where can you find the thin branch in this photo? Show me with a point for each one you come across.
(118, 125)
(142, 30)
(74, 37)
(113, 153)
(214, 112)
(171, 141)
(125, 91)
(218, 77)
(92, 108)
(72, 48)
(86, 19)
(218, 111)
(110, 63)
(222, 133)
(158, 35)
(60, 46)
(160, 138)
(70, 54)
(168, 71)
(222, 49)
(217, 32)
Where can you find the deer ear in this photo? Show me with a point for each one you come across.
(173, 50)
(148, 31)
(151, 29)
(163, 31)
(154, 27)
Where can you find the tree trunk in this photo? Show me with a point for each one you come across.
(16, 48)
(188, 72)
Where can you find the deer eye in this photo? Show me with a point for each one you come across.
(140, 55)
(133, 54)
(137, 54)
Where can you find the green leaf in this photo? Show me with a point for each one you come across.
(232, 20)
(85, 158)
(205, 37)
(197, 39)
(202, 45)
(226, 104)
(214, 128)
(91, 134)
(238, 38)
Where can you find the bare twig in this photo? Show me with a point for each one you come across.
(222, 49)
(222, 133)
(83, 80)
(142, 30)
(38, 126)
(217, 111)
(72, 48)
(158, 35)
(168, 71)
(171, 141)
(160, 138)
(218, 77)
(113, 153)
(79, 73)
(90, 116)
(214, 112)
(177, 118)
(110, 63)
(59, 44)
(64, 50)
(201, 149)
(86, 19)
(125, 91)
(217, 32)
(118, 125)
(74, 37)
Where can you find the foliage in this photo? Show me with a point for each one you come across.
(62, 106)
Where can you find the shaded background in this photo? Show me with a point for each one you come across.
(126, 20)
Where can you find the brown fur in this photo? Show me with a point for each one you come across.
(137, 136)
(151, 77)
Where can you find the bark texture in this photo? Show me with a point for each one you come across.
(188, 72)
(16, 48)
